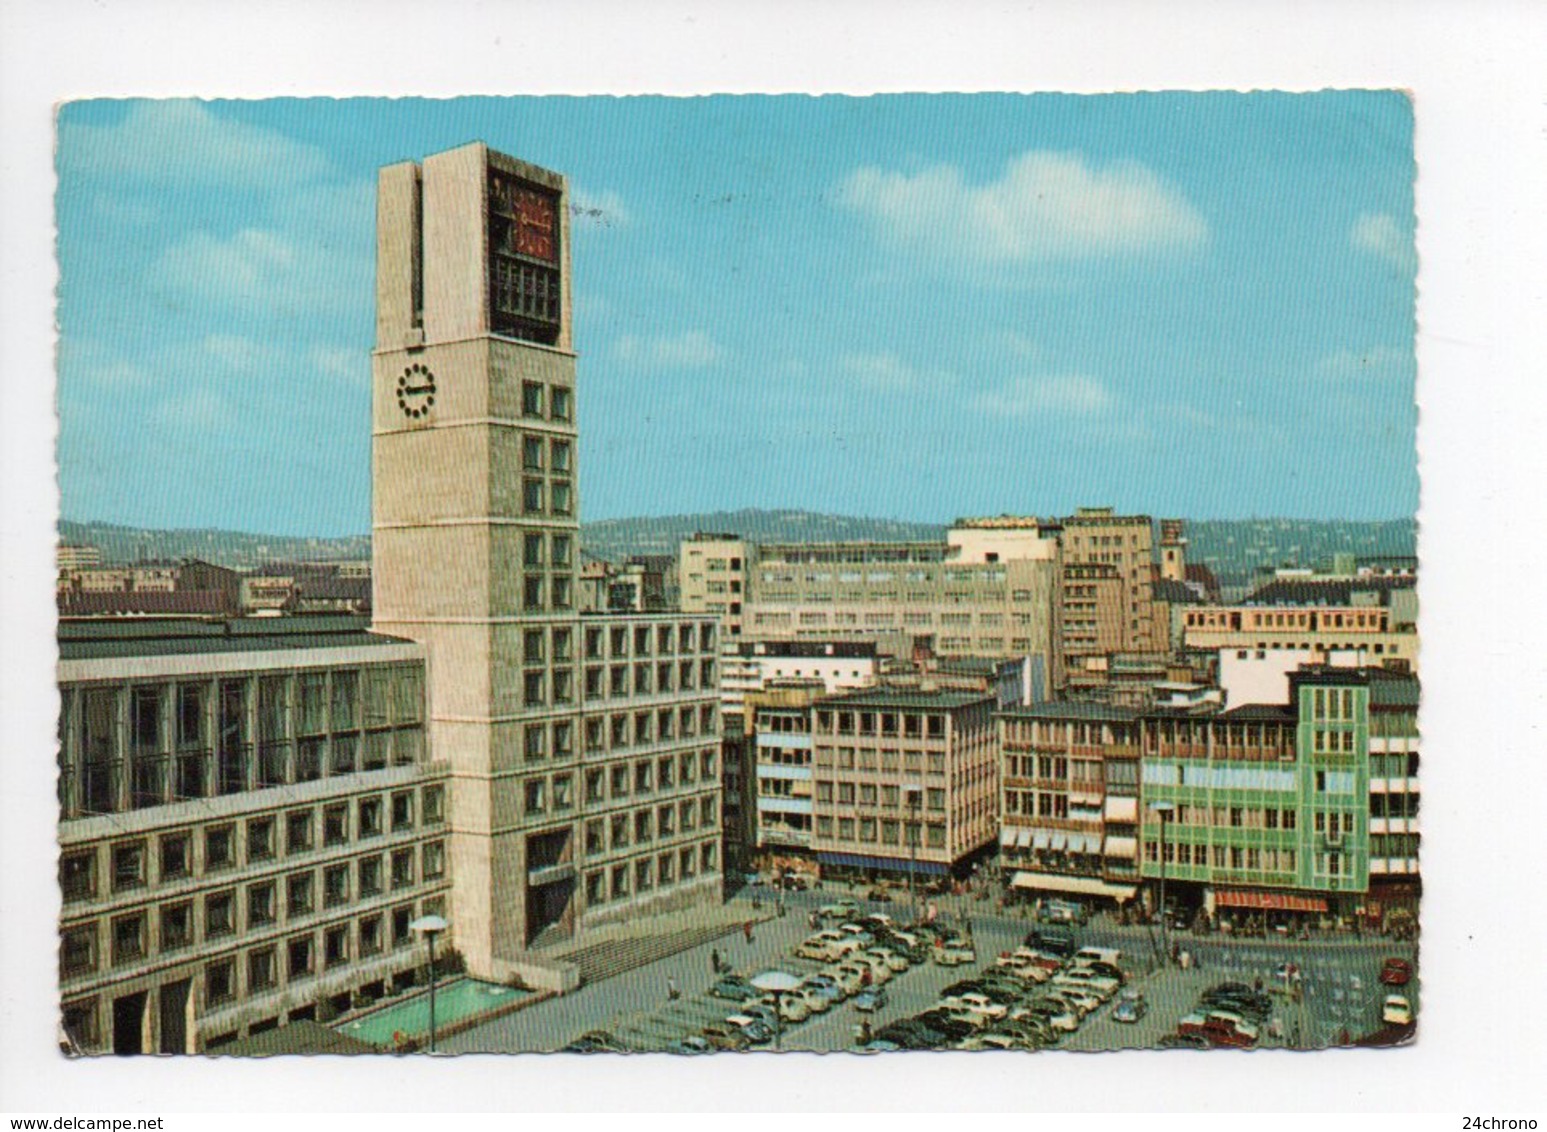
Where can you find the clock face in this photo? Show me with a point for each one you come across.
(416, 391)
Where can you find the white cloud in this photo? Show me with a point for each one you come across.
(1380, 234)
(1045, 207)
(887, 372)
(603, 209)
(692, 349)
(1377, 362)
(1068, 394)
(244, 268)
(180, 141)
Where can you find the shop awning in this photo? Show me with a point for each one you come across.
(1122, 847)
(888, 864)
(1007, 838)
(1059, 841)
(1080, 886)
(1268, 901)
(1023, 839)
(1122, 809)
(1040, 841)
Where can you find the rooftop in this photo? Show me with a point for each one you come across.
(1073, 710)
(905, 699)
(94, 639)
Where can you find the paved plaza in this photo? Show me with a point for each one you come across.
(1341, 988)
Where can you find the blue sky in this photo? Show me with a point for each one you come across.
(903, 306)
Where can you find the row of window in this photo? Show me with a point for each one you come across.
(179, 854)
(1250, 858)
(644, 678)
(885, 761)
(648, 640)
(619, 831)
(889, 796)
(644, 874)
(228, 912)
(883, 831)
(622, 780)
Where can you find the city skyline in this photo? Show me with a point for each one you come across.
(786, 303)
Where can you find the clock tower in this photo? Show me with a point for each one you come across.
(475, 512)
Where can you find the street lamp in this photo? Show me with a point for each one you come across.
(430, 927)
(915, 831)
(1163, 810)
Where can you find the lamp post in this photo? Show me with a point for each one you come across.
(430, 927)
(1163, 810)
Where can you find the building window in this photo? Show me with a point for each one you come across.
(532, 496)
(128, 939)
(402, 868)
(335, 825)
(532, 453)
(219, 914)
(176, 856)
(531, 399)
(298, 958)
(433, 860)
(402, 934)
(369, 818)
(432, 804)
(402, 810)
(78, 950)
(78, 876)
(335, 885)
(260, 904)
(220, 982)
(642, 875)
(335, 946)
(368, 871)
(370, 936)
(298, 832)
(561, 404)
(260, 839)
(128, 866)
(298, 895)
(261, 974)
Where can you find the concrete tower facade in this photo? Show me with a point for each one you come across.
(1173, 550)
(474, 503)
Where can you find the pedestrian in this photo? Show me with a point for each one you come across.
(672, 993)
(746, 930)
(864, 1031)
(714, 961)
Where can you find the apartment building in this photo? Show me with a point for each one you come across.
(906, 782)
(712, 573)
(1252, 631)
(1109, 565)
(1069, 800)
(780, 716)
(250, 820)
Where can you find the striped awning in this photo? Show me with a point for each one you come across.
(1270, 901)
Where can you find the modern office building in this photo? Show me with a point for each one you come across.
(1372, 631)
(475, 541)
(780, 717)
(990, 589)
(250, 819)
(1109, 561)
(906, 782)
(749, 666)
(712, 573)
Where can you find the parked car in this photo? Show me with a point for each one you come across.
(1396, 972)
(692, 1044)
(911, 1034)
(838, 909)
(755, 1030)
(733, 987)
(1086, 979)
(725, 1036)
(955, 955)
(1055, 942)
(1129, 1009)
(1396, 1011)
(596, 1041)
(764, 1014)
(879, 1045)
(791, 1007)
(824, 986)
(1220, 1028)
(978, 1003)
(1085, 1001)
(870, 999)
(955, 1025)
(894, 962)
(1086, 956)
(1183, 1041)
(879, 896)
(817, 1000)
(1061, 912)
(1051, 1013)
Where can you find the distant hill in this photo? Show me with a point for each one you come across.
(1233, 548)
(616, 539)
(235, 549)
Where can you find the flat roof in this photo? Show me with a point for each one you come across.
(1073, 710)
(95, 638)
(907, 698)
